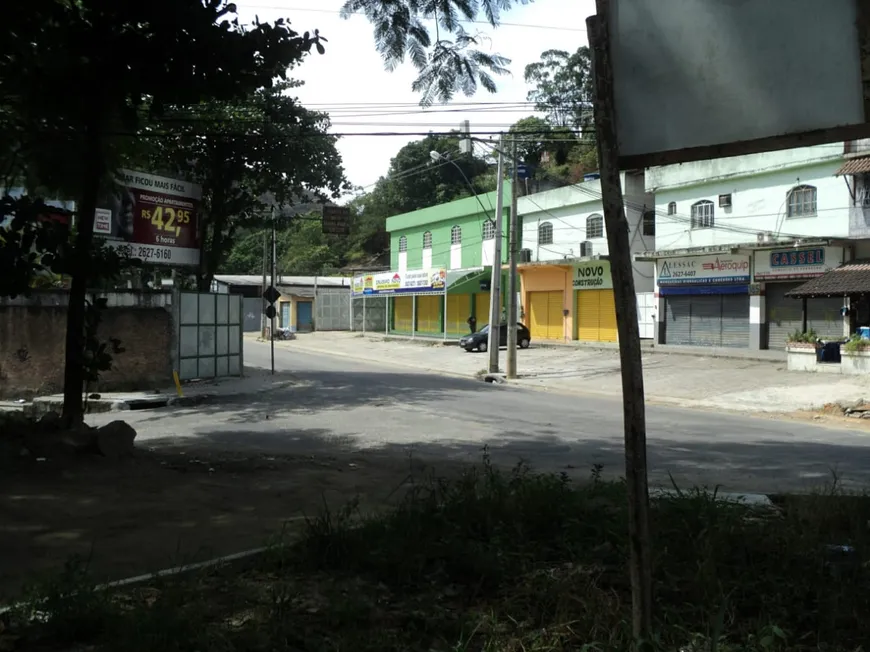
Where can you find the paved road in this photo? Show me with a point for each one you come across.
(338, 402)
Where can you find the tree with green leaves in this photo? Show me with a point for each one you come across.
(79, 79)
(449, 61)
(562, 87)
(264, 152)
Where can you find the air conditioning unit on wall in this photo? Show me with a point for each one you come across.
(725, 201)
(585, 249)
(525, 255)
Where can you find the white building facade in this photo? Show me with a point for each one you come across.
(735, 235)
(567, 289)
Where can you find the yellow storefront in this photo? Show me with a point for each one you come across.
(595, 308)
(546, 300)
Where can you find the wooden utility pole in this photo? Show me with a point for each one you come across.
(619, 247)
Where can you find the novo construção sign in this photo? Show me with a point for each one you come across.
(592, 275)
(152, 218)
(417, 281)
(703, 270)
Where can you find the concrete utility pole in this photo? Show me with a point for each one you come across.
(514, 244)
(495, 284)
(274, 269)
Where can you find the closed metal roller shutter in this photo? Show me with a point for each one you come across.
(824, 317)
(587, 316)
(784, 315)
(429, 314)
(403, 314)
(596, 316)
(538, 315)
(706, 320)
(607, 312)
(458, 306)
(678, 329)
(735, 321)
(481, 309)
(546, 315)
(555, 316)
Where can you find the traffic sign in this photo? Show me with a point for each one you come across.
(271, 294)
(270, 311)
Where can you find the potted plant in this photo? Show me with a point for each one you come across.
(855, 356)
(802, 350)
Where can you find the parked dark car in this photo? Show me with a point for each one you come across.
(479, 341)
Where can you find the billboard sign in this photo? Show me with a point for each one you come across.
(703, 270)
(697, 80)
(417, 281)
(336, 220)
(796, 263)
(152, 218)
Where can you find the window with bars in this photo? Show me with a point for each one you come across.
(427, 240)
(545, 233)
(489, 230)
(802, 201)
(403, 244)
(649, 223)
(672, 208)
(703, 215)
(594, 226)
(456, 235)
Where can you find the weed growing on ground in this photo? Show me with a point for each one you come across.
(514, 561)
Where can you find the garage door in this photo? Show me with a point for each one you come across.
(545, 311)
(481, 309)
(596, 316)
(429, 314)
(708, 320)
(458, 313)
(785, 315)
(403, 314)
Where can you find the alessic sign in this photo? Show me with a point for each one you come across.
(703, 270)
(592, 275)
(796, 263)
(153, 218)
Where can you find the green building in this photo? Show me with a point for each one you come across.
(441, 265)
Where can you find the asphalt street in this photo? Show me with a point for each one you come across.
(336, 403)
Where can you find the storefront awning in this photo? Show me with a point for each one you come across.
(855, 166)
(467, 281)
(852, 278)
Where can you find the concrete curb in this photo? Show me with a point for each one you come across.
(44, 404)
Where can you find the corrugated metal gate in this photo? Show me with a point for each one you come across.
(403, 314)
(209, 334)
(457, 314)
(785, 315)
(332, 307)
(708, 320)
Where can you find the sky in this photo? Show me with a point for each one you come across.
(351, 83)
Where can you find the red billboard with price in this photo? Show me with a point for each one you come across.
(153, 218)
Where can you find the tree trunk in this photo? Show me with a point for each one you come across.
(73, 379)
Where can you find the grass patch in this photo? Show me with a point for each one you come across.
(503, 562)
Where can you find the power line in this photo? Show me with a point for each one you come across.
(474, 22)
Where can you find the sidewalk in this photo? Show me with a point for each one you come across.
(734, 384)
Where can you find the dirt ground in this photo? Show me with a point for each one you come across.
(165, 508)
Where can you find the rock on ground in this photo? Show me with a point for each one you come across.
(115, 439)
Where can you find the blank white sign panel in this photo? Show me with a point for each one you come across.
(692, 73)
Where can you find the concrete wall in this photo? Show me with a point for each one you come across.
(32, 333)
(758, 185)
